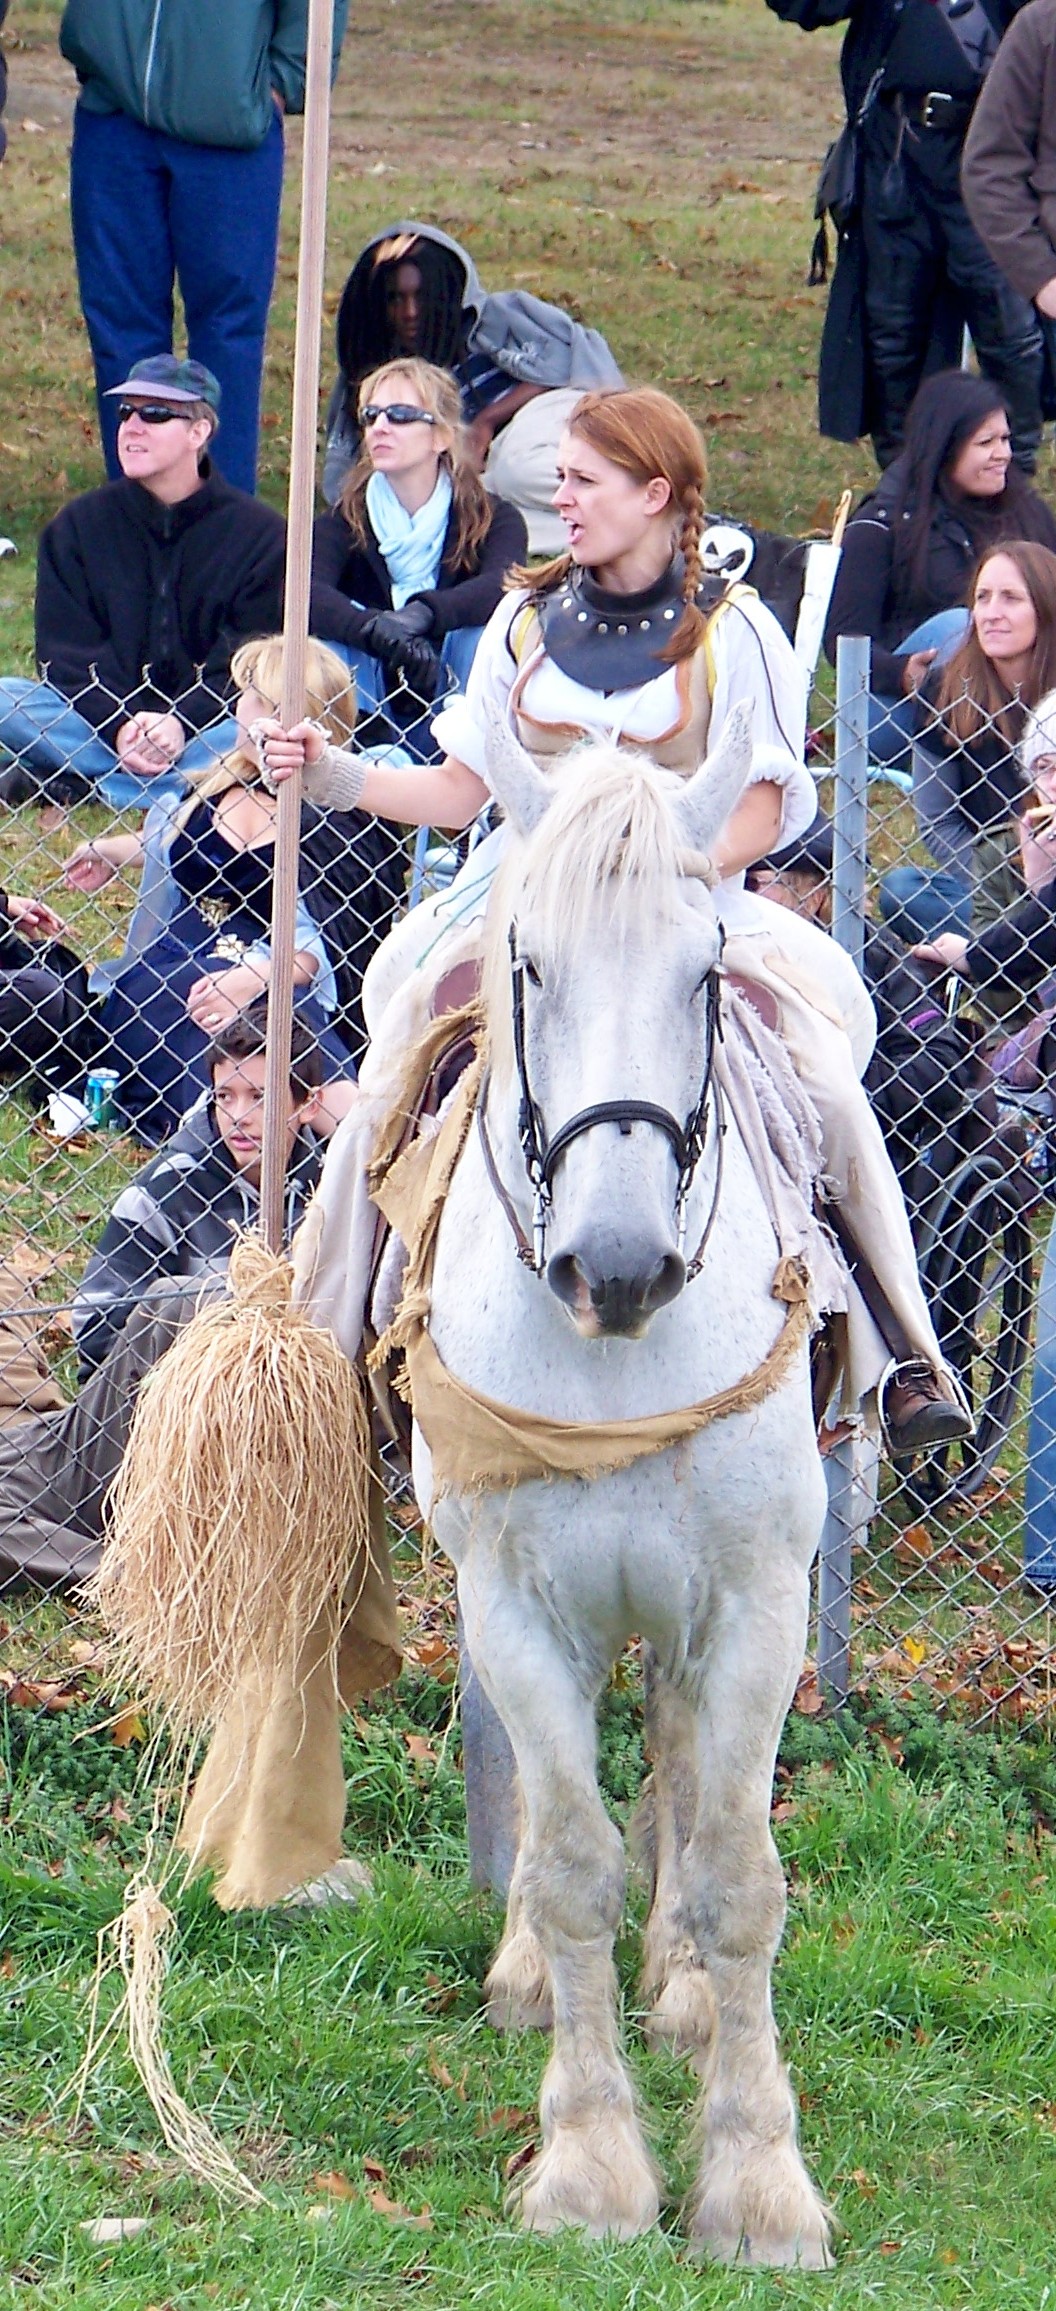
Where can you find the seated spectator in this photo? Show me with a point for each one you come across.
(168, 1237)
(968, 787)
(909, 549)
(520, 364)
(408, 568)
(144, 589)
(198, 945)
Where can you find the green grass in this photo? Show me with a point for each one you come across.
(651, 165)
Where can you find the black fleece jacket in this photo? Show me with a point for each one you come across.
(140, 605)
(349, 579)
(1019, 950)
(871, 597)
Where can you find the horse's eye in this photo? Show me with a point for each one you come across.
(532, 972)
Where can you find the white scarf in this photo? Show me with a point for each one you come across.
(412, 545)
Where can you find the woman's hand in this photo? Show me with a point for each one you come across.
(915, 669)
(219, 996)
(282, 753)
(90, 867)
(949, 951)
(150, 743)
(34, 919)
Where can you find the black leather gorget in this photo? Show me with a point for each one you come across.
(611, 641)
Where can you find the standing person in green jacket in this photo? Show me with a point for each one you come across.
(176, 175)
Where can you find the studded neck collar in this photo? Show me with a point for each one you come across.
(611, 641)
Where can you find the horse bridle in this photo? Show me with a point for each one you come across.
(542, 1154)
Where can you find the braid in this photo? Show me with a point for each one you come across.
(690, 628)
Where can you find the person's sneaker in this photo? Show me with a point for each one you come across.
(916, 1413)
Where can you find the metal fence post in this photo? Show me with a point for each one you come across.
(850, 795)
(850, 798)
(492, 1804)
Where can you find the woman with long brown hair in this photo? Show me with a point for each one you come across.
(968, 785)
(409, 566)
(621, 638)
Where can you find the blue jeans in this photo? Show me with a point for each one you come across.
(146, 210)
(917, 903)
(47, 735)
(375, 685)
(1039, 1531)
(894, 722)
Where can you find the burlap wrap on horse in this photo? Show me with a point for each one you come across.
(478, 1444)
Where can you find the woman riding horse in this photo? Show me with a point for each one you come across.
(620, 637)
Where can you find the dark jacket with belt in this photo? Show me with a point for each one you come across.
(203, 74)
(872, 596)
(1008, 173)
(349, 579)
(140, 605)
(845, 397)
(178, 1217)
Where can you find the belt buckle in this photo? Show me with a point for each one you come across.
(935, 96)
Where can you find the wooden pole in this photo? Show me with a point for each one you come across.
(301, 506)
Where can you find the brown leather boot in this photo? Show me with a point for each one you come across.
(916, 1413)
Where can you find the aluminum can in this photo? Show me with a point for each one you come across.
(100, 1092)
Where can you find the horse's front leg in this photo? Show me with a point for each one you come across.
(593, 2169)
(673, 1984)
(753, 2198)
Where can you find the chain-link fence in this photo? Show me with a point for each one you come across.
(133, 942)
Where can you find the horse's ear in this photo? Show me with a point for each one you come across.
(707, 798)
(514, 778)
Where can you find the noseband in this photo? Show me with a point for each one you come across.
(542, 1154)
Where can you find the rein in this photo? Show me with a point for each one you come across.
(543, 1154)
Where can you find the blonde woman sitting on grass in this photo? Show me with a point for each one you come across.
(198, 945)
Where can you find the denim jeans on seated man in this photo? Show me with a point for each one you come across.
(40, 728)
(894, 722)
(375, 685)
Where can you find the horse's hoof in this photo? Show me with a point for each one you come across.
(760, 2209)
(602, 2182)
(683, 2017)
(517, 1990)
(345, 1881)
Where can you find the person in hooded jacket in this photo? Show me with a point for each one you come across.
(910, 548)
(520, 363)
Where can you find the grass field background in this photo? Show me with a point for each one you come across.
(650, 165)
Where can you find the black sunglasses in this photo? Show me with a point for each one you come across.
(151, 412)
(397, 412)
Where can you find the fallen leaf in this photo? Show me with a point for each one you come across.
(518, 2160)
(86, 1653)
(502, 2121)
(127, 1727)
(374, 2171)
(333, 2185)
(890, 2246)
(8, 1968)
(395, 2211)
(916, 1650)
(808, 1700)
(418, 1748)
(863, 2182)
(106, 2230)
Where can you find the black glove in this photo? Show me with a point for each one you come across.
(403, 625)
(420, 667)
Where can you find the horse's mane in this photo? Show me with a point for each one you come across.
(608, 851)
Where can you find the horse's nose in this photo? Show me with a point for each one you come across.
(620, 1303)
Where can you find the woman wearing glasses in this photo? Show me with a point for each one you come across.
(408, 568)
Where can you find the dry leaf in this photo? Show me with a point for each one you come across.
(863, 2182)
(86, 1653)
(518, 2160)
(8, 1967)
(916, 1650)
(418, 1748)
(106, 2230)
(504, 2121)
(395, 2211)
(334, 2185)
(808, 1700)
(127, 1727)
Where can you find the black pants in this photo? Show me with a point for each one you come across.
(42, 1027)
(919, 244)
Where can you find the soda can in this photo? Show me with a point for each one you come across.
(100, 1092)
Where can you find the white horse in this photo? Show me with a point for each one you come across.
(703, 1549)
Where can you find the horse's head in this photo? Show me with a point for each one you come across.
(600, 990)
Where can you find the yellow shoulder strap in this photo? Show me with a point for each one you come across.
(525, 633)
(734, 593)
